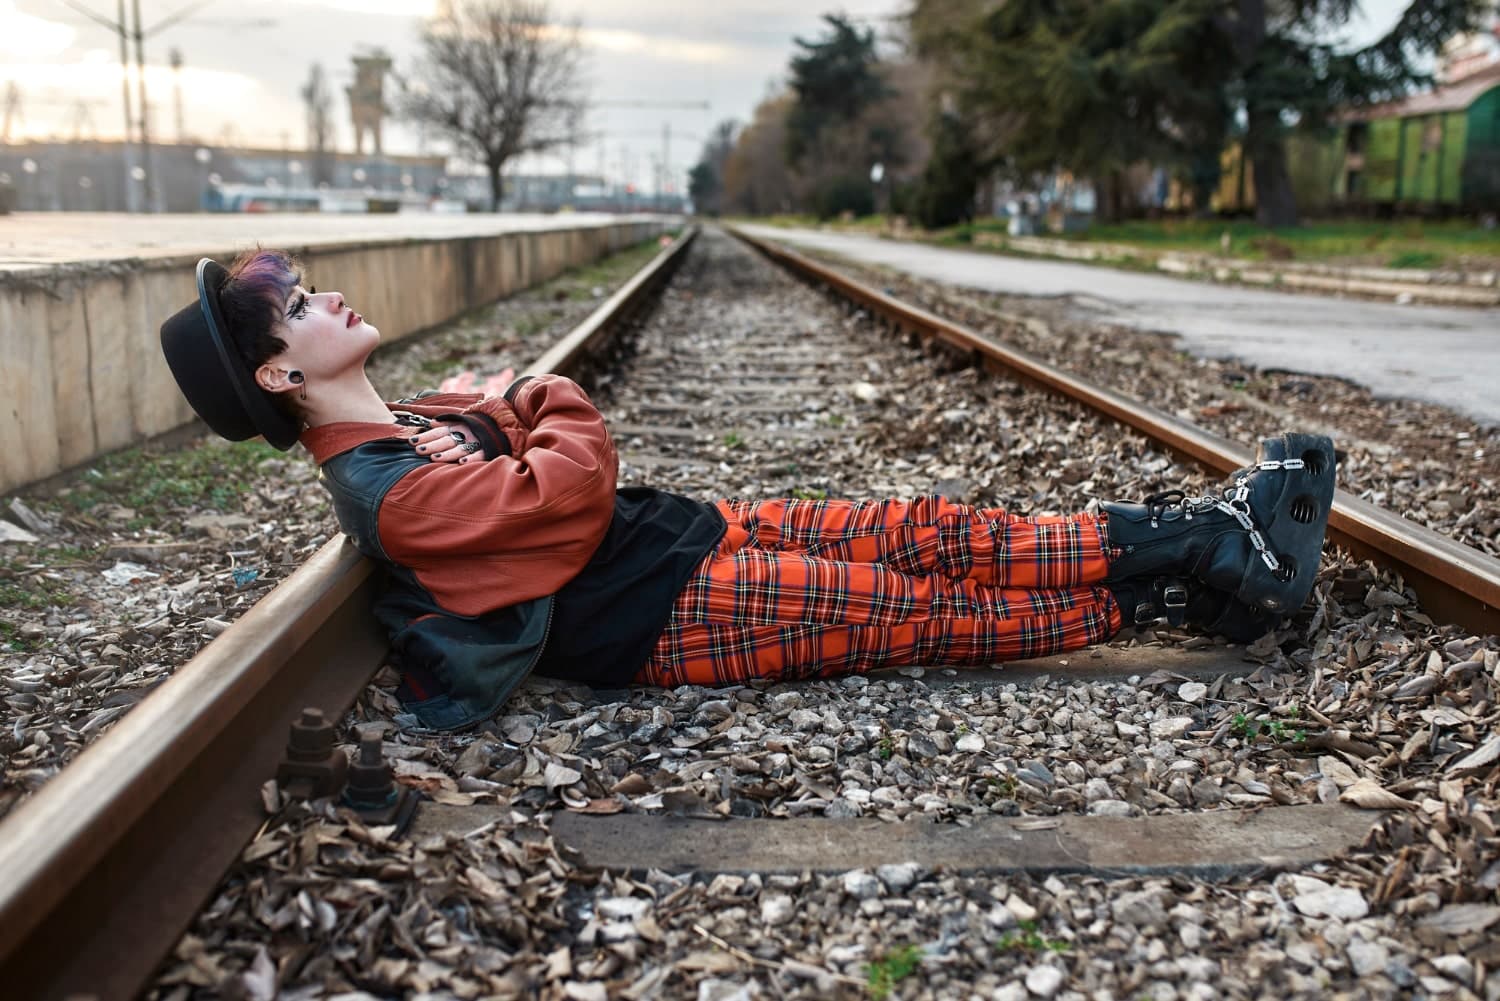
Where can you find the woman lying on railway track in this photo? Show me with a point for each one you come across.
(511, 550)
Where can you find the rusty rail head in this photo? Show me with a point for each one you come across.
(1456, 583)
(103, 869)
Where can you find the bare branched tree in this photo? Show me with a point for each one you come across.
(499, 79)
(318, 101)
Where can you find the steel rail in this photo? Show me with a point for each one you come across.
(1457, 583)
(104, 868)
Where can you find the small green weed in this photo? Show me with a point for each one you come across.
(887, 971)
(803, 493)
(1251, 729)
(1005, 785)
(734, 440)
(1029, 939)
(437, 366)
(886, 747)
(531, 323)
(1244, 726)
(10, 639)
(834, 420)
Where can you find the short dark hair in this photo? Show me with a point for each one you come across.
(253, 304)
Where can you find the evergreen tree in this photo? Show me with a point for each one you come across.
(834, 80)
(1093, 87)
(944, 195)
(1087, 87)
(706, 179)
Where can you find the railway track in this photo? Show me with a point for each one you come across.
(107, 864)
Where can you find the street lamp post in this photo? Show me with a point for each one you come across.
(204, 156)
(28, 168)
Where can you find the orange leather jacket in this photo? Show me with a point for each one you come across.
(524, 523)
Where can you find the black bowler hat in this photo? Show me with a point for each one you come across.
(212, 374)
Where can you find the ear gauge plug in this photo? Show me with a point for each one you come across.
(296, 377)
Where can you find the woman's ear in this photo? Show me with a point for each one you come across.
(274, 379)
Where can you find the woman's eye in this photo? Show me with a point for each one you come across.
(299, 309)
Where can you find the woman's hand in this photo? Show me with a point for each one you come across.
(448, 443)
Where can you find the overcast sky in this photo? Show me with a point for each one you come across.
(244, 64)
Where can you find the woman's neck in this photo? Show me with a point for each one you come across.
(348, 399)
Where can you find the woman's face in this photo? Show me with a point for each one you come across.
(324, 336)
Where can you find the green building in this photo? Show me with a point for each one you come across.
(1433, 150)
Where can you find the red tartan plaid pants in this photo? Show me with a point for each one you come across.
(816, 589)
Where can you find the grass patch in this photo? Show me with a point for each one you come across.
(1415, 259)
(1408, 243)
(1397, 244)
(885, 973)
(607, 273)
(209, 475)
(30, 592)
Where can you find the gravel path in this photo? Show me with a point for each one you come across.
(1361, 699)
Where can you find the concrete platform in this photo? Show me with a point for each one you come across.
(40, 239)
(82, 297)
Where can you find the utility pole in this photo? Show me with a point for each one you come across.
(149, 186)
(174, 57)
(127, 153)
(150, 200)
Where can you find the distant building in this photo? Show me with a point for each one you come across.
(91, 177)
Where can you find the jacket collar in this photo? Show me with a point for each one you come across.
(329, 440)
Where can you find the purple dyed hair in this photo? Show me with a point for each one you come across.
(253, 303)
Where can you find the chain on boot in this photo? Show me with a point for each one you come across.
(1258, 542)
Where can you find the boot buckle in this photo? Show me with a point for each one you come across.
(1174, 600)
(1174, 596)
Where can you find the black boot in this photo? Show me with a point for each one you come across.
(1258, 543)
(1180, 602)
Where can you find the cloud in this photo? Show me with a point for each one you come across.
(30, 36)
(382, 8)
(668, 49)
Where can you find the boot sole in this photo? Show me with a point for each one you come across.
(1293, 525)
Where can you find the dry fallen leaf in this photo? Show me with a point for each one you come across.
(1368, 794)
(1342, 775)
(558, 775)
(1462, 919)
(600, 806)
(1485, 754)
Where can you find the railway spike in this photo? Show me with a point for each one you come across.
(373, 792)
(313, 766)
